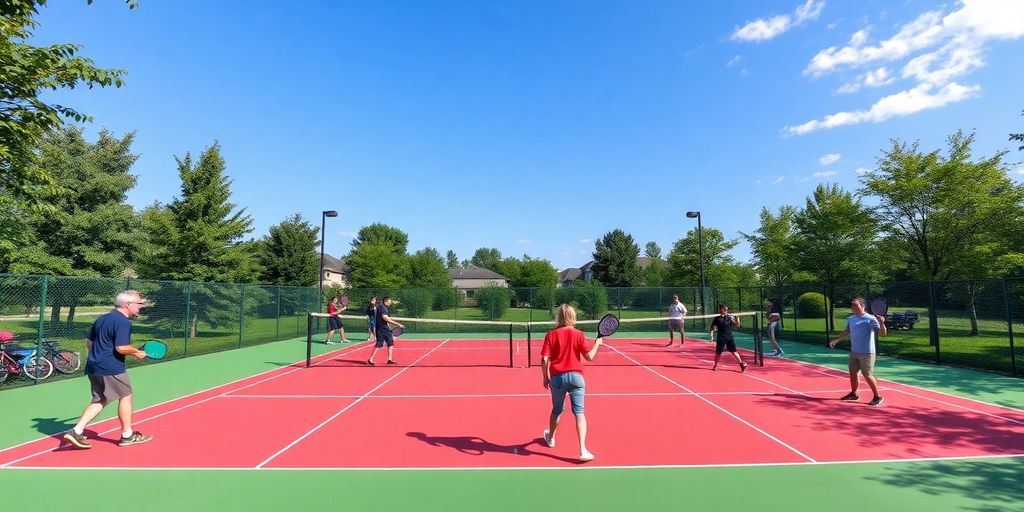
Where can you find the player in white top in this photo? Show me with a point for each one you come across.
(676, 317)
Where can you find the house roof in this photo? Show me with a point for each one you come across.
(569, 274)
(334, 264)
(473, 273)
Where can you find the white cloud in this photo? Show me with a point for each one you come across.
(778, 180)
(899, 104)
(861, 171)
(524, 242)
(733, 61)
(874, 78)
(824, 174)
(586, 241)
(939, 47)
(830, 158)
(768, 28)
(346, 234)
(744, 72)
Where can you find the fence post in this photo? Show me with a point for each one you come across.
(241, 313)
(42, 316)
(933, 322)
(277, 331)
(796, 305)
(188, 314)
(1009, 325)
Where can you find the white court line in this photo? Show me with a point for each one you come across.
(709, 402)
(573, 467)
(520, 395)
(136, 422)
(347, 407)
(845, 375)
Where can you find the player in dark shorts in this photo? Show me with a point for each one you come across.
(723, 324)
(384, 335)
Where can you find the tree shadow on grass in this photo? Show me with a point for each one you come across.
(476, 446)
(996, 483)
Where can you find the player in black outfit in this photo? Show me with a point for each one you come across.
(723, 324)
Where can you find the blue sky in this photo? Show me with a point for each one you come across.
(537, 127)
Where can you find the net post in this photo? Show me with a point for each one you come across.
(309, 337)
(511, 348)
(758, 342)
(529, 345)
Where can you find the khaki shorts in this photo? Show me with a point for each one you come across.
(865, 363)
(675, 324)
(110, 388)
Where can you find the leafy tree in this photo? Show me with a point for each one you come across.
(536, 273)
(15, 232)
(1019, 137)
(941, 207)
(486, 258)
(592, 299)
(427, 270)
(377, 265)
(652, 251)
(451, 260)
(684, 259)
(836, 239)
(615, 257)
(24, 117)
(288, 254)
(493, 300)
(198, 237)
(382, 234)
(772, 246)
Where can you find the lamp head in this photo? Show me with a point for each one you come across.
(693, 215)
(330, 213)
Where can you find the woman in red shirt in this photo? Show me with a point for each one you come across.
(562, 367)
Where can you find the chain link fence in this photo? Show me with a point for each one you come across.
(964, 323)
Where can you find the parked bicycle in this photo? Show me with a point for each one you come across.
(17, 360)
(64, 361)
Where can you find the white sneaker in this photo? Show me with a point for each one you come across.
(548, 440)
(328, 342)
(779, 352)
(586, 456)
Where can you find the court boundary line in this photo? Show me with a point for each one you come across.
(531, 395)
(709, 402)
(323, 357)
(347, 407)
(579, 467)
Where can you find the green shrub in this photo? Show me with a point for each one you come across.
(592, 300)
(811, 305)
(493, 300)
(544, 298)
(565, 296)
(416, 302)
(445, 299)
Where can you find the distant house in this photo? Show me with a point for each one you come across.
(586, 272)
(336, 271)
(475, 277)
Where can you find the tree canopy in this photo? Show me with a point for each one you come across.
(615, 257)
(288, 254)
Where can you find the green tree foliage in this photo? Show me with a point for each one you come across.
(1019, 137)
(14, 230)
(836, 237)
(684, 260)
(377, 265)
(615, 257)
(811, 305)
(25, 118)
(288, 253)
(493, 300)
(451, 260)
(652, 251)
(488, 258)
(772, 246)
(446, 298)
(945, 210)
(656, 271)
(198, 237)
(592, 299)
(528, 272)
(382, 234)
(427, 270)
(416, 302)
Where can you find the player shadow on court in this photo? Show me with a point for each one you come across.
(473, 445)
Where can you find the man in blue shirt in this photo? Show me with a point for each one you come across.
(109, 341)
(862, 329)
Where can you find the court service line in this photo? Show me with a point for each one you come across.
(846, 375)
(347, 407)
(186, 406)
(521, 395)
(709, 402)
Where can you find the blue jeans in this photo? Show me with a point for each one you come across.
(568, 382)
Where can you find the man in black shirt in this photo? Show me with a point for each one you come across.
(723, 324)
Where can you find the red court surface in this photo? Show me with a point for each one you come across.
(647, 406)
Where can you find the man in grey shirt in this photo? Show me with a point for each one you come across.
(862, 329)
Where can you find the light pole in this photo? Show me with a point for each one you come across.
(700, 246)
(323, 224)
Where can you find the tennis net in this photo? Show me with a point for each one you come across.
(440, 342)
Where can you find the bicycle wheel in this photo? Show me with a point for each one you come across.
(38, 367)
(66, 361)
(3, 371)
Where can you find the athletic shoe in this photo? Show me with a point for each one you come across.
(548, 440)
(743, 367)
(714, 368)
(135, 438)
(78, 440)
(328, 342)
(586, 456)
(850, 396)
(344, 340)
(371, 363)
(876, 401)
(779, 353)
(392, 361)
